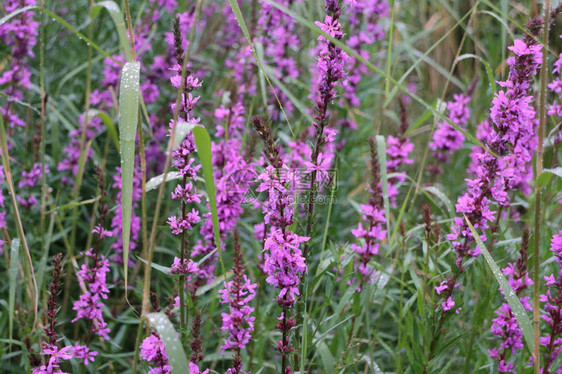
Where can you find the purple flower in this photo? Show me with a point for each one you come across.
(553, 308)
(505, 324)
(370, 232)
(19, 34)
(238, 321)
(512, 138)
(446, 139)
(83, 352)
(398, 149)
(364, 30)
(233, 178)
(152, 350)
(92, 278)
(320, 167)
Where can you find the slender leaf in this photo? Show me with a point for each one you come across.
(487, 67)
(128, 120)
(108, 122)
(117, 17)
(14, 260)
(159, 179)
(512, 299)
(203, 143)
(381, 150)
(441, 196)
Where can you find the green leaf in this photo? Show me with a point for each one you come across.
(424, 117)
(14, 260)
(203, 143)
(128, 119)
(176, 356)
(156, 181)
(160, 268)
(9, 16)
(512, 299)
(181, 129)
(303, 109)
(328, 361)
(115, 13)
(441, 196)
(487, 67)
(108, 122)
(381, 151)
(546, 176)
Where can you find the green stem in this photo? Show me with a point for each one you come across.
(539, 160)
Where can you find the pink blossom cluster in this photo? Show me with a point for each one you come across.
(284, 262)
(398, 149)
(372, 228)
(20, 35)
(447, 139)
(185, 164)
(505, 324)
(555, 86)
(512, 139)
(365, 30)
(153, 351)
(552, 314)
(280, 39)
(92, 277)
(239, 321)
(55, 355)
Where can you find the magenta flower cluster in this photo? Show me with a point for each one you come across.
(20, 35)
(239, 321)
(553, 308)
(505, 324)
(152, 350)
(447, 139)
(365, 30)
(398, 149)
(55, 355)
(512, 138)
(185, 163)
(92, 277)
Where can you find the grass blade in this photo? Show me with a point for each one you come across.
(115, 13)
(128, 120)
(14, 260)
(487, 67)
(381, 150)
(444, 199)
(516, 308)
(203, 143)
(174, 349)
(29, 272)
(108, 122)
